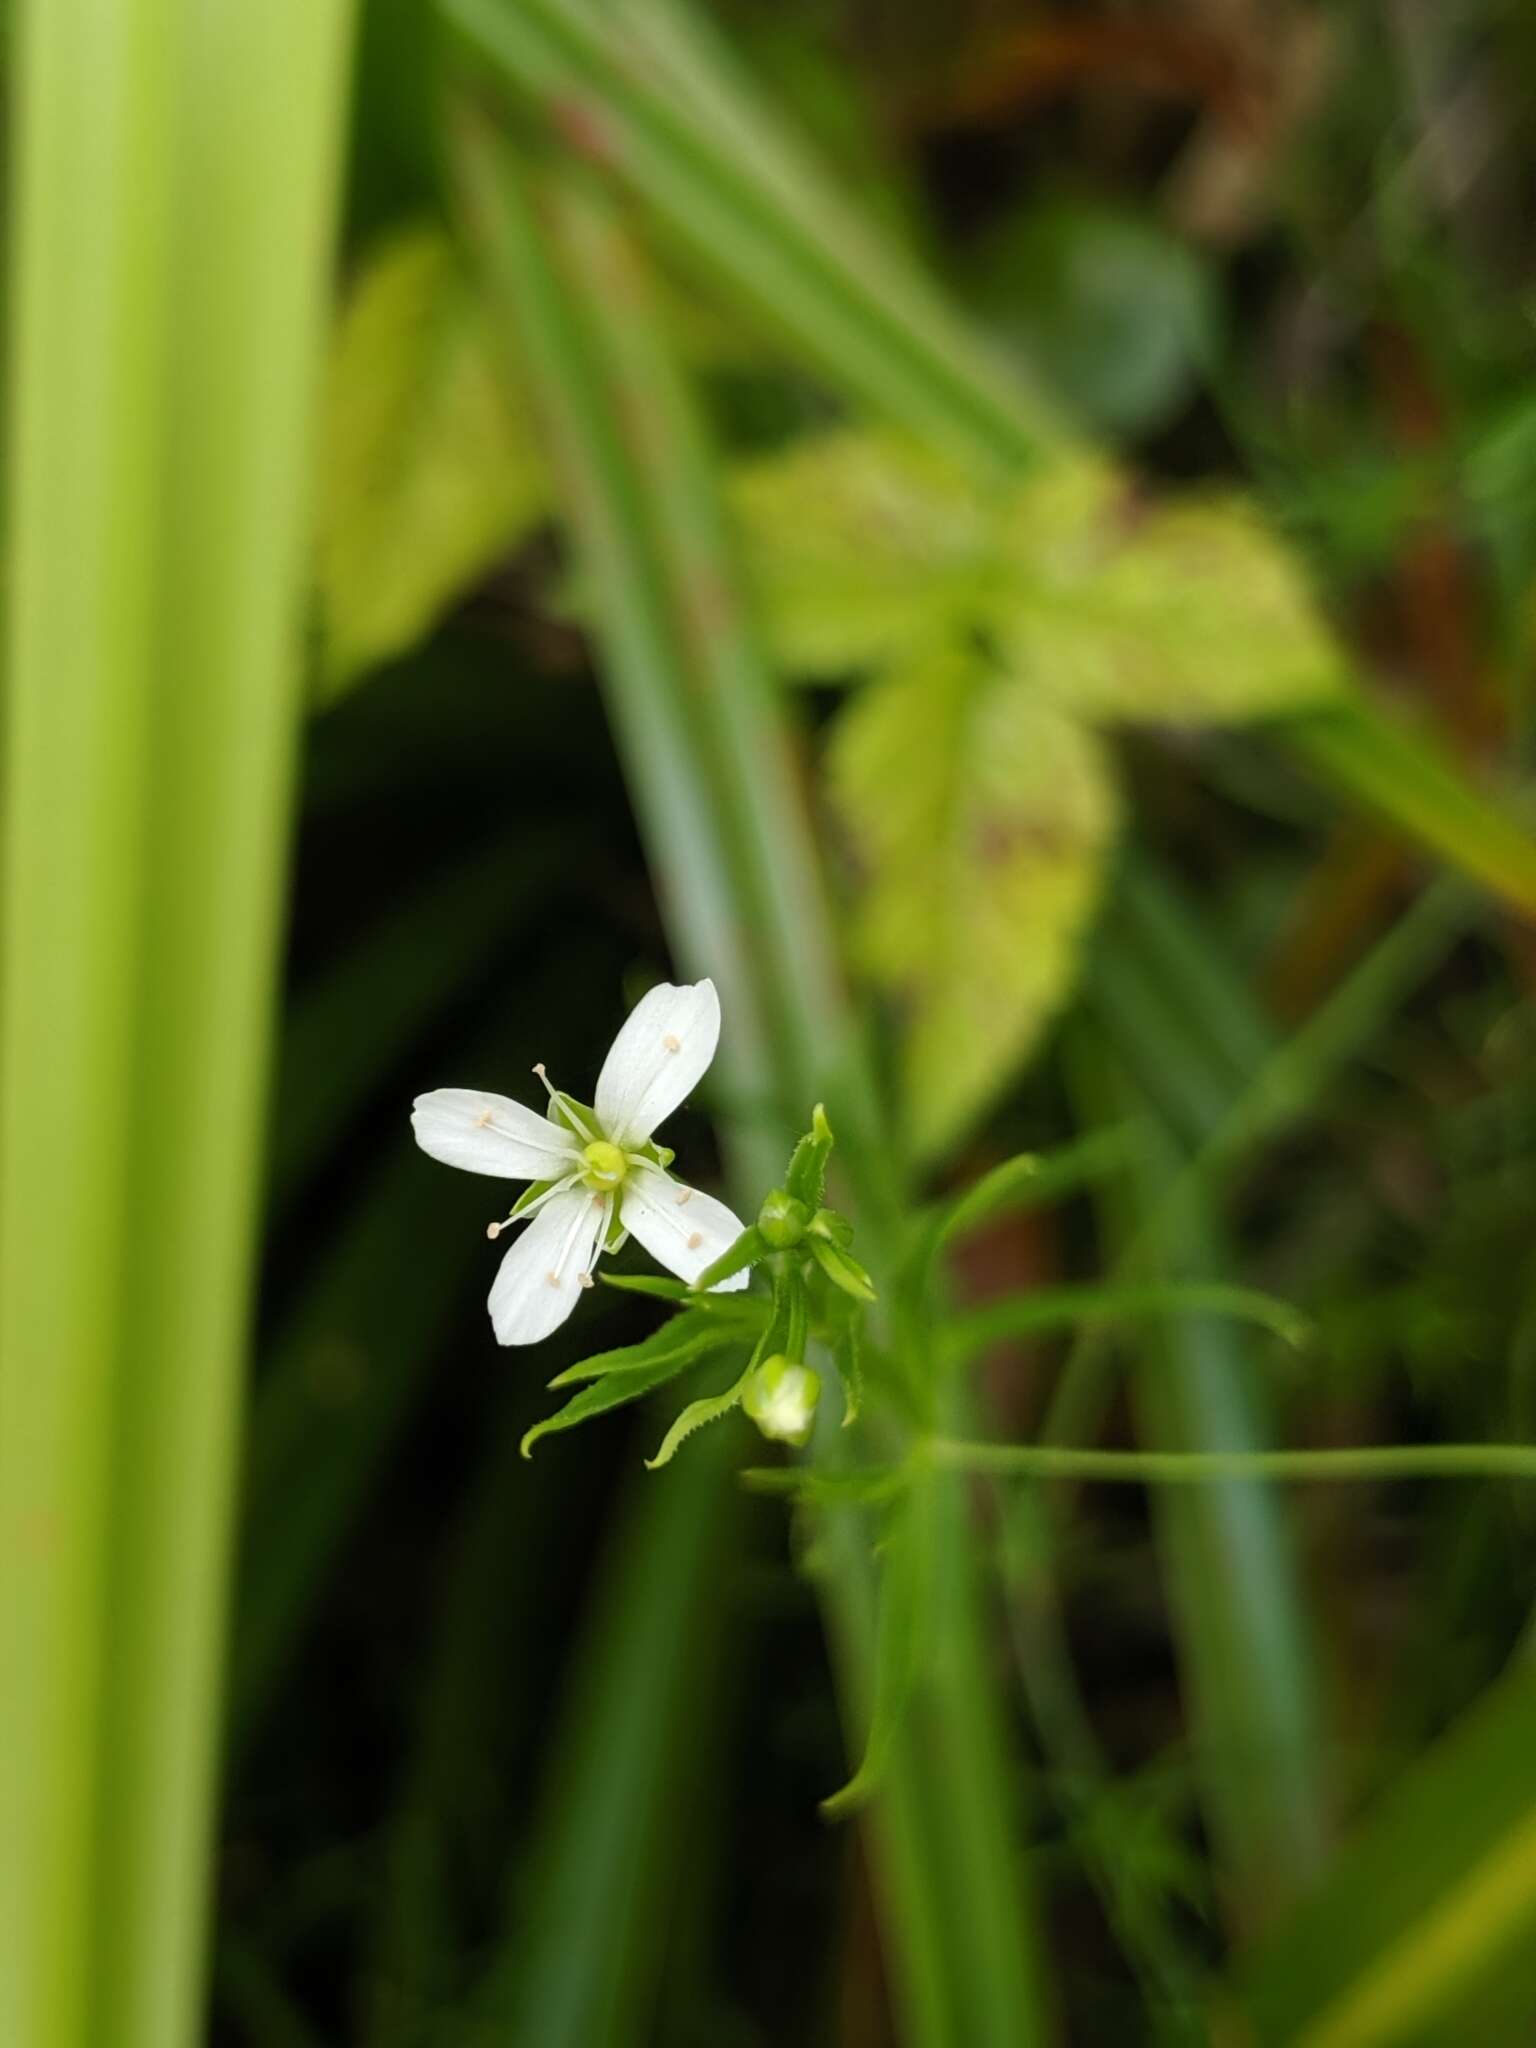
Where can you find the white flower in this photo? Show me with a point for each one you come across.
(597, 1175)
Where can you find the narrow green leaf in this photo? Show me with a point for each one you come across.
(614, 1390)
(901, 1638)
(687, 1336)
(651, 1284)
(842, 1269)
(1031, 1179)
(710, 1408)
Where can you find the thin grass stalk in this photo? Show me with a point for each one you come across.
(667, 680)
(177, 169)
(1243, 1633)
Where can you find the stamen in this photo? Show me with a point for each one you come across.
(685, 1196)
(493, 1231)
(695, 1239)
(586, 1280)
(672, 1042)
(483, 1118)
(538, 1068)
(553, 1279)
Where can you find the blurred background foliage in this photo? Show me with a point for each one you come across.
(1162, 730)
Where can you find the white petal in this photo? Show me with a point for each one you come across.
(680, 1228)
(490, 1134)
(667, 1042)
(540, 1278)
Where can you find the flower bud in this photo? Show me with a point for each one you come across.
(782, 1220)
(781, 1399)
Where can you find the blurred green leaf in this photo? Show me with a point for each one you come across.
(428, 474)
(860, 543)
(901, 1636)
(1434, 1896)
(1117, 312)
(1405, 775)
(1186, 612)
(980, 817)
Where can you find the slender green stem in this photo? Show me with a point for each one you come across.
(1059, 1308)
(1185, 1468)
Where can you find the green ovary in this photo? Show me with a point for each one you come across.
(604, 1165)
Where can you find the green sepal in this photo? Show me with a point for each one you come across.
(748, 1249)
(848, 1357)
(842, 1269)
(833, 1226)
(807, 1175)
(580, 1118)
(528, 1197)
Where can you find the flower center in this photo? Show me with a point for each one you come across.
(604, 1165)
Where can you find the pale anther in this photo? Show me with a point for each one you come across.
(672, 1042)
(586, 1279)
(483, 1118)
(553, 1279)
(493, 1231)
(685, 1196)
(695, 1239)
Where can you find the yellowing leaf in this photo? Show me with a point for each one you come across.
(1192, 613)
(427, 474)
(980, 815)
(860, 541)
(864, 543)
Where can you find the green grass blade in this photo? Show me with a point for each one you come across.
(177, 171)
(590, 1909)
(1388, 766)
(1434, 1897)
(680, 129)
(1239, 1610)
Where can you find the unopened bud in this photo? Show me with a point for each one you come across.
(782, 1220)
(781, 1399)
